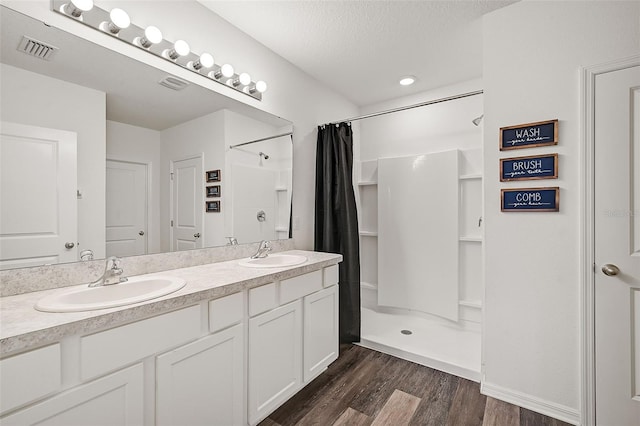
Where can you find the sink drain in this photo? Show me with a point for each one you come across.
(406, 332)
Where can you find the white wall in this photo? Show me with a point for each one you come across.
(201, 136)
(34, 99)
(292, 94)
(433, 128)
(533, 52)
(140, 145)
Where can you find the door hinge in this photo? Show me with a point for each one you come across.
(172, 223)
(171, 174)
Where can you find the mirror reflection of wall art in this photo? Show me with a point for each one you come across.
(213, 191)
(213, 176)
(212, 206)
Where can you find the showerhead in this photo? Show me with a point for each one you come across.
(263, 155)
(476, 121)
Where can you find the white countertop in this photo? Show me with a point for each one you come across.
(22, 327)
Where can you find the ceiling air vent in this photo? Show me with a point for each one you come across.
(36, 48)
(174, 83)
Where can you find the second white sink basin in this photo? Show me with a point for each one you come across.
(84, 298)
(274, 261)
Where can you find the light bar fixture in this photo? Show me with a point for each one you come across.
(117, 23)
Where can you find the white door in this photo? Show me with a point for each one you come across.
(38, 184)
(320, 331)
(202, 383)
(617, 247)
(126, 201)
(275, 357)
(116, 399)
(187, 197)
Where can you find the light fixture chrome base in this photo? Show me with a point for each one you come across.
(132, 36)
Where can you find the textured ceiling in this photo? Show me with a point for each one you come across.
(360, 49)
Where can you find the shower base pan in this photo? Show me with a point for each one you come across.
(425, 341)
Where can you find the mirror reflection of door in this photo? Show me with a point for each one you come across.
(37, 196)
(126, 205)
(187, 203)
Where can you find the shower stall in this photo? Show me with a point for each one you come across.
(419, 187)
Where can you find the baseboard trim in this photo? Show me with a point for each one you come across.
(557, 411)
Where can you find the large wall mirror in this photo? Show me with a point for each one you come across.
(104, 155)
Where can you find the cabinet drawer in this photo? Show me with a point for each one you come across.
(298, 287)
(331, 276)
(225, 311)
(29, 376)
(262, 299)
(108, 350)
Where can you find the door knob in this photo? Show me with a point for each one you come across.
(197, 235)
(69, 246)
(141, 233)
(610, 270)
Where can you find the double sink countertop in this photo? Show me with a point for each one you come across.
(22, 327)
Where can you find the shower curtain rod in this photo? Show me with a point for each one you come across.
(260, 140)
(404, 108)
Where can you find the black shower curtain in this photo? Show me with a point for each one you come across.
(336, 219)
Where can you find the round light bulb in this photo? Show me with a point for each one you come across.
(83, 5)
(261, 86)
(245, 79)
(227, 70)
(407, 81)
(153, 34)
(206, 60)
(181, 47)
(120, 18)
(75, 8)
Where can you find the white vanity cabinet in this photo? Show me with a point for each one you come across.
(227, 361)
(116, 399)
(275, 355)
(202, 383)
(291, 344)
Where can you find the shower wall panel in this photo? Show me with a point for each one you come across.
(418, 233)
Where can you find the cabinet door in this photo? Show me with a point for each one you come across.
(320, 331)
(275, 358)
(116, 399)
(202, 383)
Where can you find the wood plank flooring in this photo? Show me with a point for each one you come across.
(369, 388)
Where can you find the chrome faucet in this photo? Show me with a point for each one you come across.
(112, 273)
(232, 241)
(263, 250)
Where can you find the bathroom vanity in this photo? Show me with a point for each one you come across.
(228, 348)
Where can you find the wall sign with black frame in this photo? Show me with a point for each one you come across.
(212, 206)
(213, 176)
(213, 191)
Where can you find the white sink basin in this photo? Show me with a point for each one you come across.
(84, 298)
(274, 261)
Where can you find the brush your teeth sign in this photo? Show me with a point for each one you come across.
(529, 168)
(529, 135)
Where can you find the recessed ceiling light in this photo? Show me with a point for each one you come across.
(407, 80)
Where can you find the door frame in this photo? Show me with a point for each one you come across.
(172, 161)
(587, 232)
(149, 177)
